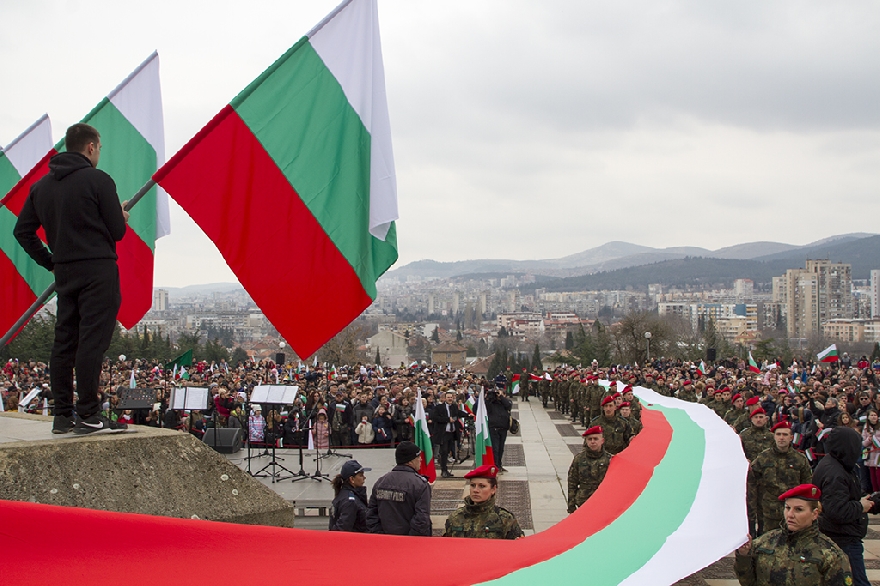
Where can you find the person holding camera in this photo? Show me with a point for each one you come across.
(498, 408)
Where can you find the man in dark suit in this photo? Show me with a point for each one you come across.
(445, 417)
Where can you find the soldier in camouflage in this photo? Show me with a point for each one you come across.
(797, 554)
(634, 404)
(722, 402)
(587, 469)
(756, 438)
(687, 392)
(563, 405)
(480, 516)
(615, 429)
(635, 426)
(737, 417)
(544, 385)
(774, 471)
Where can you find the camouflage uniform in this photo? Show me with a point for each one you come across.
(554, 390)
(585, 474)
(563, 405)
(575, 394)
(771, 474)
(595, 393)
(485, 520)
(635, 426)
(782, 558)
(545, 392)
(720, 407)
(755, 440)
(615, 430)
(738, 419)
(636, 407)
(524, 386)
(687, 395)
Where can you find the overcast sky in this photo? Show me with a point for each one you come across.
(522, 129)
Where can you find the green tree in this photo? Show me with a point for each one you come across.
(536, 359)
(569, 341)
(238, 356)
(435, 335)
(34, 342)
(378, 358)
(875, 354)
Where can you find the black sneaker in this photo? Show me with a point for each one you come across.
(97, 424)
(63, 423)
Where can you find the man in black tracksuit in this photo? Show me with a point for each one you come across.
(498, 408)
(844, 516)
(77, 206)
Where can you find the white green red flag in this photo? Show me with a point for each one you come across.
(513, 385)
(131, 125)
(300, 164)
(753, 366)
(469, 405)
(829, 354)
(483, 453)
(702, 370)
(22, 280)
(423, 442)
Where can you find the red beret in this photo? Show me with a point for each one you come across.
(608, 399)
(627, 389)
(660, 378)
(686, 383)
(624, 404)
(753, 401)
(725, 389)
(758, 411)
(484, 471)
(615, 396)
(781, 425)
(807, 492)
(735, 397)
(595, 430)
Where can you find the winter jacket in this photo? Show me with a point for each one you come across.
(842, 518)
(349, 510)
(400, 503)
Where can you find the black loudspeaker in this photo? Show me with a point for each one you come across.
(279, 358)
(228, 440)
(710, 354)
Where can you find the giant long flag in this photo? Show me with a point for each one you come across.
(22, 280)
(299, 168)
(131, 124)
(684, 467)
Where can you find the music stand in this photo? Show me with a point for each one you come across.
(273, 396)
(190, 399)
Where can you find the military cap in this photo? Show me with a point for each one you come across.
(735, 397)
(753, 401)
(627, 389)
(595, 430)
(807, 492)
(484, 471)
(624, 404)
(606, 400)
(758, 411)
(686, 383)
(781, 425)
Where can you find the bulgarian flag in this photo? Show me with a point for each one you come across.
(131, 124)
(423, 442)
(753, 366)
(22, 280)
(701, 369)
(300, 163)
(829, 354)
(483, 453)
(469, 405)
(513, 385)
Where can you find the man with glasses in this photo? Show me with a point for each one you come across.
(77, 206)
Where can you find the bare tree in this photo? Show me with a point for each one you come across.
(343, 347)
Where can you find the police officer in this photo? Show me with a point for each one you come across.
(400, 503)
(349, 509)
(797, 554)
(774, 471)
(588, 468)
(480, 516)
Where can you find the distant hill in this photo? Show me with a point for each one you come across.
(617, 255)
(205, 289)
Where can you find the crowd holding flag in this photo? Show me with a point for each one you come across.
(753, 366)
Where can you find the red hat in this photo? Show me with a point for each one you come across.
(807, 492)
(753, 401)
(615, 396)
(781, 425)
(627, 389)
(725, 389)
(624, 404)
(686, 382)
(608, 399)
(484, 471)
(758, 411)
(735, 397)
(595, 430)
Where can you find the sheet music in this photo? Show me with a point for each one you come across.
(275, 394)
(189, 398)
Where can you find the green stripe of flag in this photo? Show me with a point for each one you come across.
(320, 144)
(8, 175)
(37, 278)
(613, 554)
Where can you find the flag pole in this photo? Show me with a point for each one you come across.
(44, 296)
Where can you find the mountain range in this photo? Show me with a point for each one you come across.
(764, 258)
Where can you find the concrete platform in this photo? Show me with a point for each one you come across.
(152, 471)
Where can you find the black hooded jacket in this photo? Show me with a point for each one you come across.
(842, 518)
(79, 209)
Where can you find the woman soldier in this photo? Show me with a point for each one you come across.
(480, 516)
